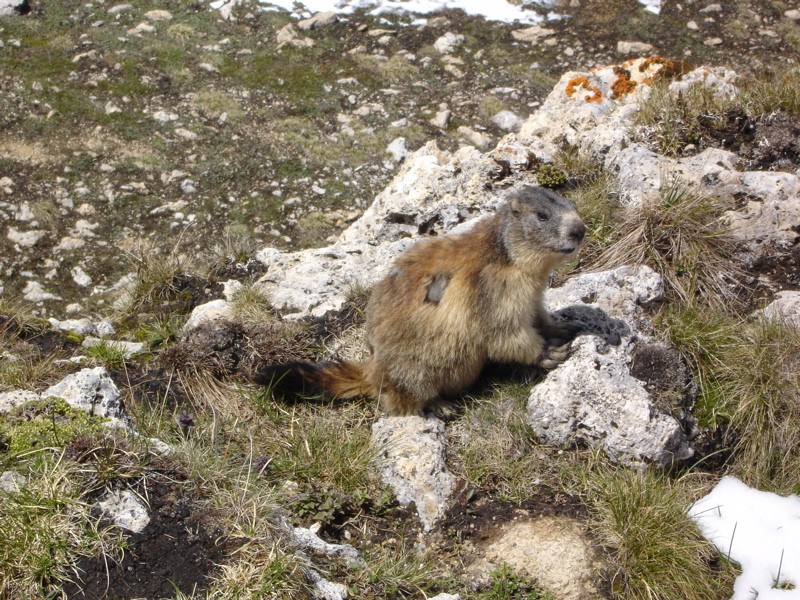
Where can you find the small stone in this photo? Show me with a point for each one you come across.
(80, 277)
(507, 121)
(126, 510)
(692, 26)
(120, 8)
(163, 116)
(288, 36)
(532, 34)
(715, 41)
(141, 28)
(25, 239)
(321, 19)
(111, 108)
(11, 481)
(185, 134)
(188, 186)
(9, 8)
(792, 14)
(711, 8)
(475, 138)
(448, 42)
(624, 47)
(442, 119)
(398, 149)
(158, 15)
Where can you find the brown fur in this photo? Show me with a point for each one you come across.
(452, 303)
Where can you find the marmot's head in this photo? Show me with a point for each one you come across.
(540, 226)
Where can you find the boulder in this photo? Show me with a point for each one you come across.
(91, 390)
(411, 460)
(592, 398)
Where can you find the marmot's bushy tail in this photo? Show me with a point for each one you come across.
(333, 379)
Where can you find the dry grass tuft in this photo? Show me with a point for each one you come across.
(681, 237)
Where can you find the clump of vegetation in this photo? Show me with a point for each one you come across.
(680, 236)
(657, 551)
(46, 423)
(46, 527)
(550, 176)
(507, 585)
(748, 374)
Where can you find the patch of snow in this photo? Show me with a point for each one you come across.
(653, 6)
(760, 531)
(493, 11)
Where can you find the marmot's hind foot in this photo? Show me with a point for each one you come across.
(442, 409)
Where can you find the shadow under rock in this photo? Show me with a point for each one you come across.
(589, 320)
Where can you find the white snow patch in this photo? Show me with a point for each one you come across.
(502, 10)
(492, 11)
(653, 6)
(760, 531)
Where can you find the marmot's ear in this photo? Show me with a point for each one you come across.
(515, 205)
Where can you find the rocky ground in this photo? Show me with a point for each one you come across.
(254, 172)
(168, 126)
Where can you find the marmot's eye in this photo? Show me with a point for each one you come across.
(515, 212)
(542, 216)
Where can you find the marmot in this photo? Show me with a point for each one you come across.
(450, 304)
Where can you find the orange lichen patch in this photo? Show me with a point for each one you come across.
(658, 67)
(623, 85)
(581, 82)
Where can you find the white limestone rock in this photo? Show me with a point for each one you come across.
(321, 19)
(432, 191)
(9, 8)
(125, 509)
(397, 148)
(507, 121)
(10, 400)
(592, 398)
(11, 482)
(81, 326)
(554, 550)
(772, 211)
(785, 307)
(307, 539)
(91, 390)
(215, 310)
(447, 43)
(411, 460)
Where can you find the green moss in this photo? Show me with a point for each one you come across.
(50, 422)
(550, 176)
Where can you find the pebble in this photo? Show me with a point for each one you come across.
(397, 148)
(481, 141)
(158, 15)
(442, 119)
(120, 8)
(448, 42)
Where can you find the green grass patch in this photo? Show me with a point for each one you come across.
(46, 528)
(656, 549)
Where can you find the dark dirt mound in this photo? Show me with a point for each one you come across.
(177, 551)
(780, 267)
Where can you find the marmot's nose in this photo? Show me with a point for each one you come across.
(577, 232)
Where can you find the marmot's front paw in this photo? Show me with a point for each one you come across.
(552, 356)
(558, 334)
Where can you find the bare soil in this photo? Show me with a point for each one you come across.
(178, 551)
